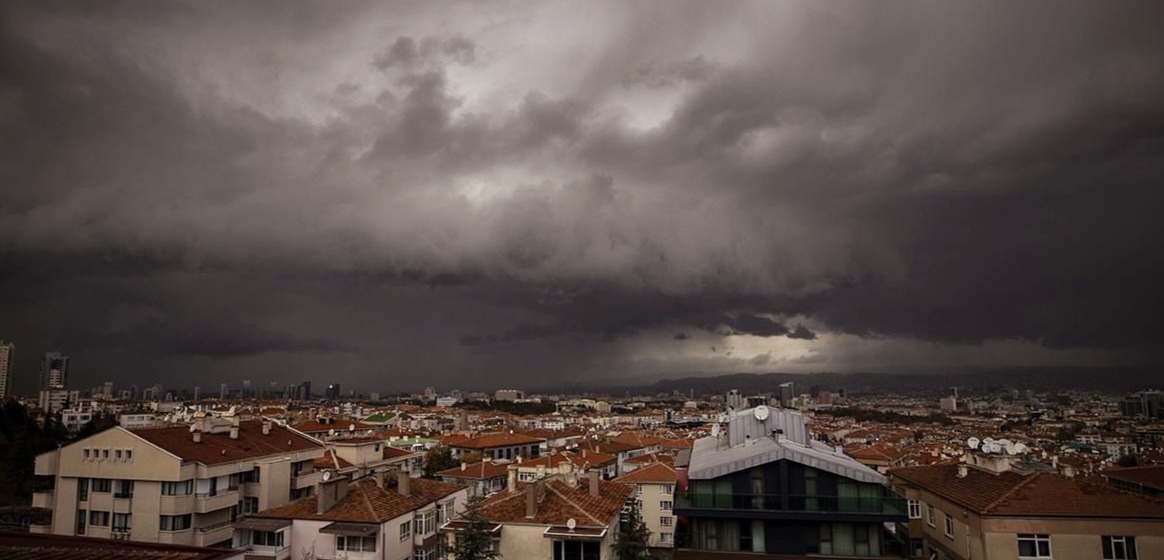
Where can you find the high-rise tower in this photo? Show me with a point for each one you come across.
(54, 372)
(6, 365)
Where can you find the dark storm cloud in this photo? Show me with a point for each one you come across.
(378, 185)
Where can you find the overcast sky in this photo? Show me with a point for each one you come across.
(395, 195)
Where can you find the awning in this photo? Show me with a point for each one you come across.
(262, 524)
(577, 533)
(351, 529)
(462, 525)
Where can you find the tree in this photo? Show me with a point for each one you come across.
(633, 537)
(438, 459)
(474, 542)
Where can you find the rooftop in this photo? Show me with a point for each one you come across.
(221, 448)
(366, 502)
(560, 503)
(31, 546)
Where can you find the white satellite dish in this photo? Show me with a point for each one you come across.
(351, 427)
(331, 432)
(571, 523)
(995, 447)
(326, 476)
(1005, 442)
(1021, 448)
(761, 413)
(985, 447)
(715, 430)
(1010, 448)
(973, 443)
(988, 440)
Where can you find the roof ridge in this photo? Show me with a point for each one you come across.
(1026, 480)
(368, 502)
(571, 502)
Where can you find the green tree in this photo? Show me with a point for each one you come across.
(474, 542)
(633, 537)
(438, 459)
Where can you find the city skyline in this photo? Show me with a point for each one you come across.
(387, 197)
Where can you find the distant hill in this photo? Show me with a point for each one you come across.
(969, 381)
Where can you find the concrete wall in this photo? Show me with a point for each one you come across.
(651, 512)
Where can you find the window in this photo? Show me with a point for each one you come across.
(85, 453)
(666, 538)
(102, 484)
(117, 454)
(930, 515)
(267, 538)
(174, 522)
(1034, 546)
(665, 505)
(1119, 548)
(914, 509)
(128, 454)
(666, 521)
(83, 489)
(123, 489)
(424, 523)
(576, 550)
(250, 505)
(181, 488)
(356, 544)
(99, 518)
(105, 454)
(527, 476)
(667, 489)
(639, 489)
(122, 522)
(405, 531)
(949, 526)
(81, 518)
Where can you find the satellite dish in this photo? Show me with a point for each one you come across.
(351, 427)
(1021, 448)
(571, 523)
(988, 440)
(326, 476)
(715, 430)
(761, 413)
(985, 447)
(995, 447)
(1005, 442)
(1011, 448)
(331, 432)
(973, 443)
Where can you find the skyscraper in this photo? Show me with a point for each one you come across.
(6, 351)
(54, 372)
(333, 391)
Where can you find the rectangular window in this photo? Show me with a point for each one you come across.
(105, 454)
(666, 521)
(267, 538)
(1119, 548)
(356, 544)
(180, 488)
(914, 509)
(81, 519)
(665, 505)
(122, 522)
(666, 538)
(99, 518)
(667, 489)
(405, 531)
(83, 489)
(930, 515)
(128, 454)
(949, 526)
(174, 522)
(639, 489)
(102, 485)
(1034, 546)
(576, 550)
(123, 489)
(85, 454)
(117, 455)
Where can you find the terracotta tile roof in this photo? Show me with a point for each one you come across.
(220, 448)
(315, 426)
(366, 502)
(396, 453)
(483, 470)
(329, 460)
(638, 440)
(560, 504)
(581, 459)
(32, 546)
(489, 441)
(1152, 477)
(656, 473)
(879, 452)
(651, 458)
(1038, 494)
(680, 443)
(608, 447)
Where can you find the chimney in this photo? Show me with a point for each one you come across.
(197, 436)
(511, 481)
(464, 465)
(403, 484)
(519, 459)
(266, 427)
(593, 475)
(1054, 461)
(532, 497)
(963, 470)
(331, 493)
(234, 432)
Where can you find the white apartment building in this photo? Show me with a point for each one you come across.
(177, 485)
(655, 493)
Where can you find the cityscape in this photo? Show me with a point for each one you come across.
(547, 280)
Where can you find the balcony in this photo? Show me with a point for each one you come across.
(812, 506)
(185, 536)
(213, 534)
(206, 502)
(176, 505)
(43, 499)
(305, 480)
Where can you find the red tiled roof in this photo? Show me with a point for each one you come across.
(560, 504)
(395, 453)
(489, 441)
(656, 473)
(1038, 494)
(651, 458)
(315, 426)
(1152, 477)
(478, 471)
(33, 546)
(220, 448)
(330, 460)
(367, 502)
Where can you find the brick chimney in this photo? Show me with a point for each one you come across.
(963, 470)
(593, 476)
(234, 432)
(511, 481)
(266, 427)
(197, 436)
(331, 493)
(533, 495)
(403, 483)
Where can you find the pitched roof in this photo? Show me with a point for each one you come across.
(220, 448)
(1152, 477)
(33, 546)
(315, 426)
(489, 441)
(1038, 494)
(329, 460)
(651, 458)
(366, 502)
(560, 504)
(655, 473)
(482, 470)
(390, 452)
(580, 459)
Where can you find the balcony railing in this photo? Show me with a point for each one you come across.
(876, 505)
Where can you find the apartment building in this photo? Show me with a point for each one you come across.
(562, 517)
(481, 478)
(654, 490)
(992, 508)
(386, 516)
(565, 462)
(507, 446)
(174, 485)
(764, 485)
